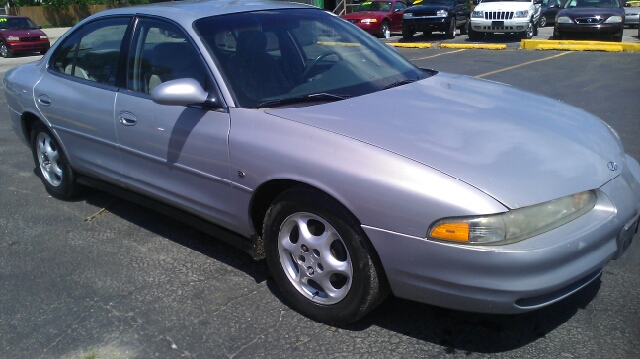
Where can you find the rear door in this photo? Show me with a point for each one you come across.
(77, 95)
(173, 153)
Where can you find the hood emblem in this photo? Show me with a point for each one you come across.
(612, 166)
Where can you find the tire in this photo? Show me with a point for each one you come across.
(617, 38)
(4, 50)
(528, 33)
(342, 280)
(474, 35)
(451, 31)
(535, 29)
(407, 34)
(384, 27)
(464, 29)
(543, 20)
(52, 166)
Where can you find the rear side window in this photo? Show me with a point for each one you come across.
(93, 52)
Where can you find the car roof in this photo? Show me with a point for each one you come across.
(185, 12)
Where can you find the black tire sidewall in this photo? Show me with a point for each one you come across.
(364, 293)
(68, 186)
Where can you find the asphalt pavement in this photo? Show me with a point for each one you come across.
(100, 277)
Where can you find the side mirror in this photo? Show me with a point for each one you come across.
(180, 92)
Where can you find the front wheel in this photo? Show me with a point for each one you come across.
(543, 20)
(384, 27)
(4, 50)
(320, 257)
(474, 35)
(53, 168)
(451, 32)
(407, 34)
(527, 34)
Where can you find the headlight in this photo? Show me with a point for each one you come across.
(563, 20)
(407, 15)
(516, 225)
(442, 13)
(479, 14)
(13, 39)
(368, 21)
(523, 13)
(44, 37)
(613, 20)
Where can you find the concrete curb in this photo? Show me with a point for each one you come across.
(474, 46)
(579, 45)
(410, 45)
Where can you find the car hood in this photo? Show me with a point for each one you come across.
(417, 9)
(502, 6)
(22, 32)
(591, 11)
(363, 15)
(518, 147)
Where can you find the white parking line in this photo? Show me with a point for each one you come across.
(520, 65)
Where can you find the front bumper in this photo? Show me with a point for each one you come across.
(518, 277)
(599, 29)
(426, 24)
(28, 46)
(499, 26)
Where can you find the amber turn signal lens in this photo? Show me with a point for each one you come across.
(457, 231)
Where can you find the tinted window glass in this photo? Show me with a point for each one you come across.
(267, 56)
(160, 52)
(95, 57)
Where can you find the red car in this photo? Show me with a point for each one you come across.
(378, 16)
(20, 34)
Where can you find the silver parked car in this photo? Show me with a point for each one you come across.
(295, 136)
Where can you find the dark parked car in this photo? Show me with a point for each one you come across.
(378, 17)
(20, 34)
(427, 16)
(591, 19)
(548, 11)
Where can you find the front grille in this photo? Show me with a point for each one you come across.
(498, 15)
(424, 13)
(30, 39)
(499, 28)
(589, 20)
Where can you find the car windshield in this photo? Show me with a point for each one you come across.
(374, 6)
(18, 23)
(425, 2)
(305, 54)
(592, 3)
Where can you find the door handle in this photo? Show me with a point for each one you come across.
(44, 100)
(128, 119)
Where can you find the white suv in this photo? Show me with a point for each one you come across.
(504, 16)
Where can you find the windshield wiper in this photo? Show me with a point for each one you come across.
(399, 83)
(314, 97)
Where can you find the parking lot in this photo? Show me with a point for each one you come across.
(101, 276)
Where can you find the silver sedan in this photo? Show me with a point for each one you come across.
(295, 136)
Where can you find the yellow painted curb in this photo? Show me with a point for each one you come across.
(410, 45)
(579, 45)
(474, 46)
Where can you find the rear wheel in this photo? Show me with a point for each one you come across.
(4, 50)
(320, 257)
(53, 168)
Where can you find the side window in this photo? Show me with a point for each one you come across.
(159, 53)
(399, 6)
(95, 56)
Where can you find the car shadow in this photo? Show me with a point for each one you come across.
(456, 331)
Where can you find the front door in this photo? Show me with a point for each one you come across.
(173, 153)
